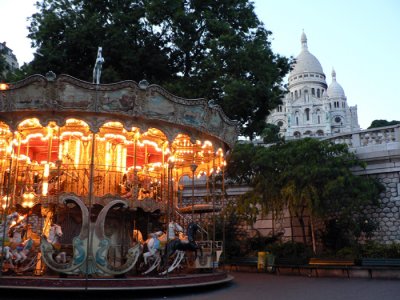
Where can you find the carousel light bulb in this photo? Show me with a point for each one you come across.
(3, 86)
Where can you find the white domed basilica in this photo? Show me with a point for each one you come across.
(311, 107)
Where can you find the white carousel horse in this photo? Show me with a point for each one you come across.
(55, 233)
(7, 258)
(153, 251)
(172, 246)
(21, 252)
(179, 247)
(173, 227)
(16, 234)
(6, 251)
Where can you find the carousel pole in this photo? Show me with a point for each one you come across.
(7, 204)
(223, 209)
(90, 239)
(16, 169)
(171, 163)
(213, 254)
(193, 167)
(134, 187)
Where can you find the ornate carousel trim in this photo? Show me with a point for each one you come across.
(54, 98)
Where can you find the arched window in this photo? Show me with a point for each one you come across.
(318, 93)
(319, 119)
(295, 94)
(297, 134)
(307, 111)
(313, 91)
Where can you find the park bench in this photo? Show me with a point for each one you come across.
(289, 263)
(330, 264)
(375, 264)
(236, 262)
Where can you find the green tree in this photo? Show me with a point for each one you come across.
(382, 123)
(67, 34)
(270, 134)
(213, 49)
(310, 178)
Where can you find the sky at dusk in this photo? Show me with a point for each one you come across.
(358, 38)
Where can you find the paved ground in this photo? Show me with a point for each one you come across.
(249, 286)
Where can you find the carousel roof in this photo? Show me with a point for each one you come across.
(140, 105)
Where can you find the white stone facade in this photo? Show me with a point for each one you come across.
(11, 59)
(311, 107)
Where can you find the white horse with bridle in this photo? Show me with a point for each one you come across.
(55, 234)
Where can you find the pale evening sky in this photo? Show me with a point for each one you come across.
(358, 38)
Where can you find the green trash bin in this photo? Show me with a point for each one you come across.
(270, 262)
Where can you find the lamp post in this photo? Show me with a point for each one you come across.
(193, 167)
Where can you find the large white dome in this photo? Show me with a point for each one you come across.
(305, 61)
(335, 90)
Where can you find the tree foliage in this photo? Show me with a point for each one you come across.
(382, 123)
(270, 134)
(309, 177)
(213, 49)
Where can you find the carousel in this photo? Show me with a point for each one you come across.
(90, 176)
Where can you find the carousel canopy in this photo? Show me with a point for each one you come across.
(140, 105)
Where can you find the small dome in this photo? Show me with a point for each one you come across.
(305, 61)
(335, 90)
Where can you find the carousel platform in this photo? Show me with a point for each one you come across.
(172, 281)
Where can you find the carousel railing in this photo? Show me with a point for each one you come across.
(185, 221)
(70, 178)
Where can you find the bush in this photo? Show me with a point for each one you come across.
(373, 249)
(291, 250)
(348, 253)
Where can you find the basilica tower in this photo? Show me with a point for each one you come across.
(311, 108)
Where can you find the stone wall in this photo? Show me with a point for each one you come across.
(388, 215)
